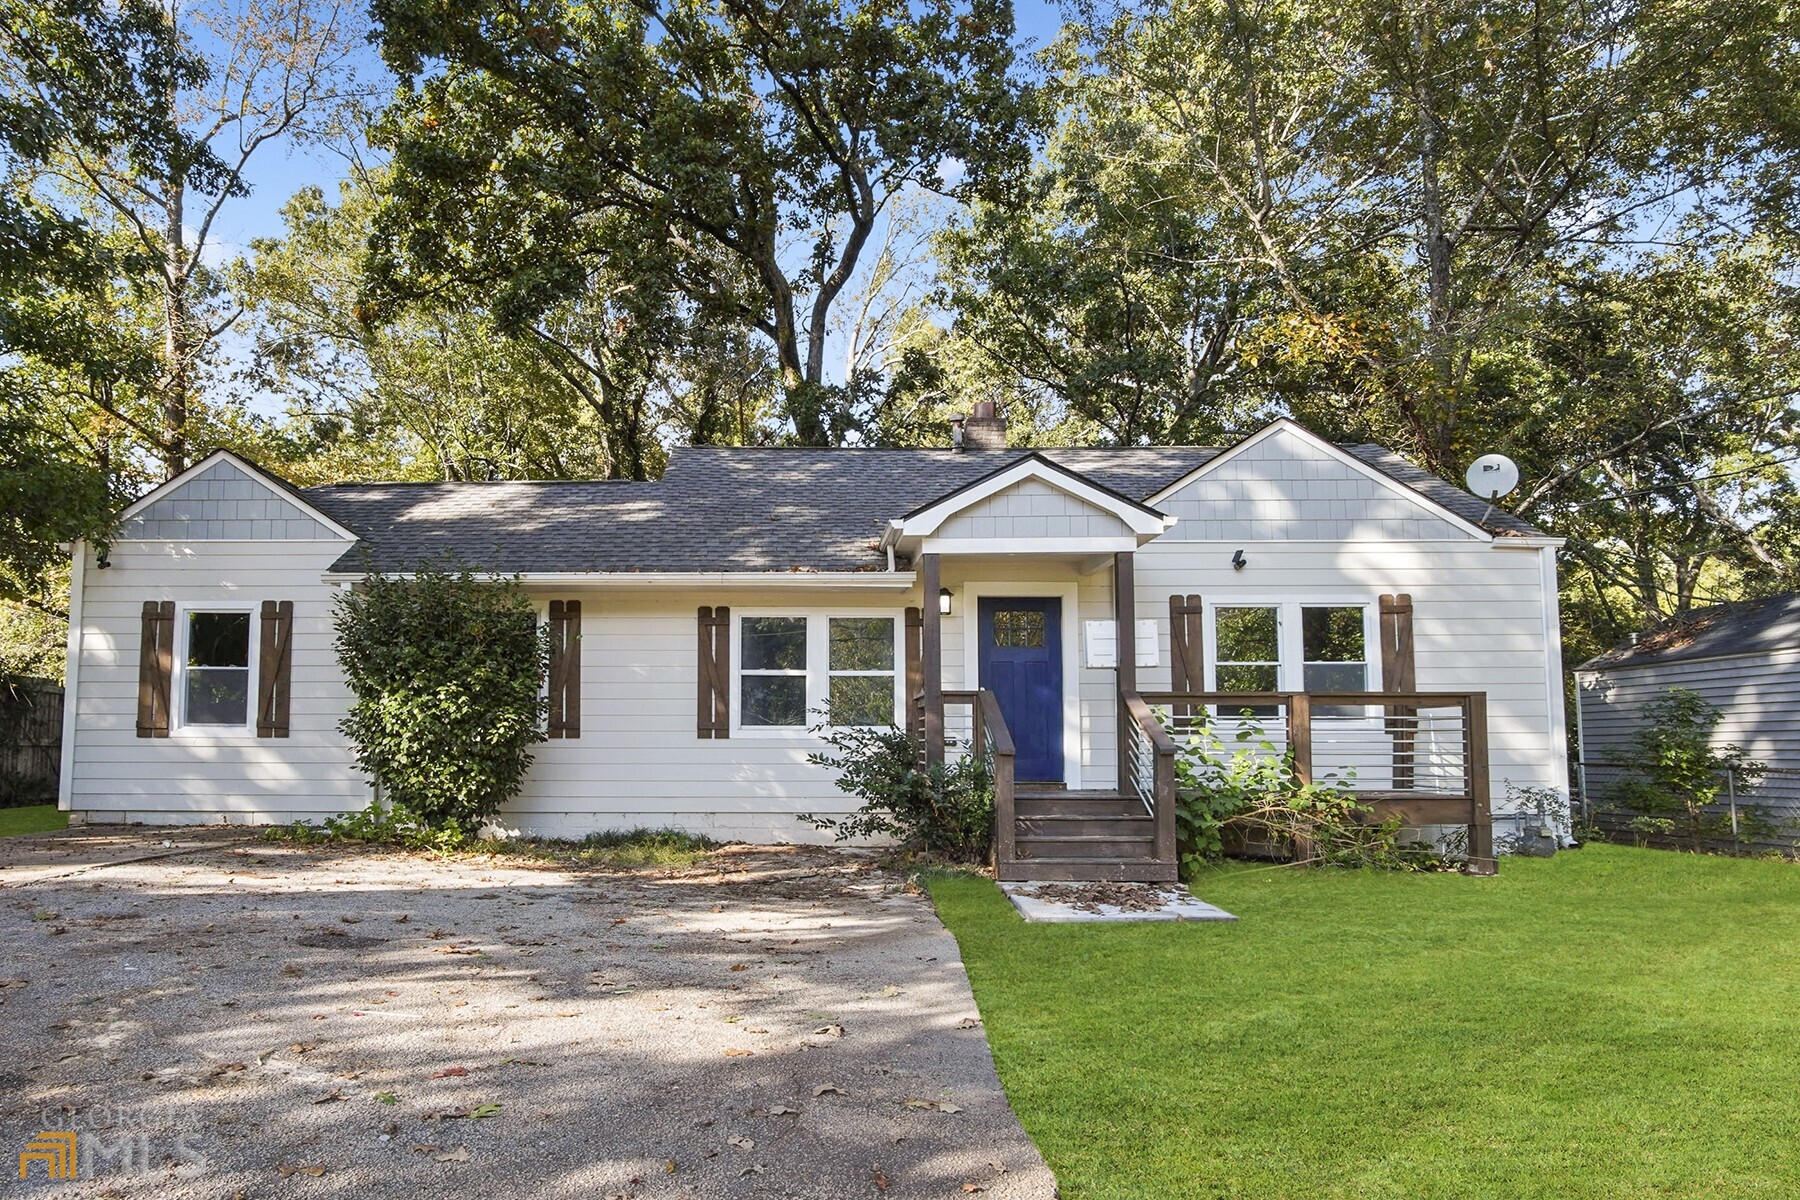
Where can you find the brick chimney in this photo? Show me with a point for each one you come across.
(982, 429)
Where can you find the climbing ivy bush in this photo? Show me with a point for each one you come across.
(445, 668)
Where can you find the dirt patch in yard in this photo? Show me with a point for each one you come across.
(273, 1020)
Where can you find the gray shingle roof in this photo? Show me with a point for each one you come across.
(1741, 627)
(726, 509)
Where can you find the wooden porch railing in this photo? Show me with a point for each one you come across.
(1420, 756)
(990, 738)
(1150, 768)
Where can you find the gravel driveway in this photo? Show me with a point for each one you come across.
(251, 1020)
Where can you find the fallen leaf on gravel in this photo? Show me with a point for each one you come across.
(226, 1068)
(741, 1142)
(836, 1031)
(780, 1110)
(12, 983)
(890, 990)
(832, 1088)
(973, 1187)
(969, 1023)
(748, 1171)
(740, 967)
(460, 1154)
(314, 1170)
(328, 1099)
(447, 1072)
(485, 1110)
(879, 1178)
(736, 1053)
(425, 1148)
(937, 1105)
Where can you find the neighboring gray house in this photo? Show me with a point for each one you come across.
(1744, 657)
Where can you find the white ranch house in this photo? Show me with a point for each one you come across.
(707, 621)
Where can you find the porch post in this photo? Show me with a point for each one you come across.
(1125, 649)
(931, 657)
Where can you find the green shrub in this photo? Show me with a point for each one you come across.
(946, 809)
(1247, 786)
(1678, 775)
(446, 670)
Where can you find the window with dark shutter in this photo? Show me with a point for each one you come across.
(275, 668)
(156, 668)
(1187, 644)
(713, 676)
(565, 669)
(1398, 674)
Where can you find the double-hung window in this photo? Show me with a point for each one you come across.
(215, 658)
(1290, 646)
(797, 671)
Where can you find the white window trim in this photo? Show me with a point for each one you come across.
(178, 675)
(1291, 669)
(818, 668)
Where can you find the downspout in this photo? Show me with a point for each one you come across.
(1581, 780)
(65, 781)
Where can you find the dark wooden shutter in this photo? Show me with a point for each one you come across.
(275, 668)
(1398, 675)
(156, 668)
(915, 671)
(1187, 644)
(714, 715)
(565, 669)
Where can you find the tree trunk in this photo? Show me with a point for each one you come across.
(178, 348)
(1438, 432)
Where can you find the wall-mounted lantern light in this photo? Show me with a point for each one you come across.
(944, 601)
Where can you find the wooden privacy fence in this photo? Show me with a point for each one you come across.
(31, 713)
(1419, 756)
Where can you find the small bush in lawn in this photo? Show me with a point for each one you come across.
(1679, 775)
(445, 669)
(1246, 786)
(946, 809)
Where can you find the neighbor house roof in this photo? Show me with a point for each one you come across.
(740, 509)
(1741, 627)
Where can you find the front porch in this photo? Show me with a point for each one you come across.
(1419, 756)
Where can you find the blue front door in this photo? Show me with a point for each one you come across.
(1021, 663)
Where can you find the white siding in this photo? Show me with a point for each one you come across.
(1284, 488)
(1478, 624)
(191, 777)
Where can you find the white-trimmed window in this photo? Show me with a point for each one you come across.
(1309, 645)
(798, 670)
(215, 656)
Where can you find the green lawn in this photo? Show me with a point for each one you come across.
(36, 818)
(1611, 1022)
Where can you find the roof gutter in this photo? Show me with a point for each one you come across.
(874, 581)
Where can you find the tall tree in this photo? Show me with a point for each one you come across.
(276, 73)
(734, 156)
(76, 76)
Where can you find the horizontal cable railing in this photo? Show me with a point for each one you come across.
(1422, 756)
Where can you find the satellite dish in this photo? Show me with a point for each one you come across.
(1492, 476)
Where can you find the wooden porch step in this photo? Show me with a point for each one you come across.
(1054, 824)
(1056, 791)
(1113, 870)
(1060, 847)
